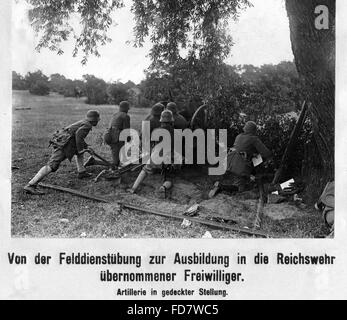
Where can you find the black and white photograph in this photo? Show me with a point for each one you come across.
(159, 151)
(173, 119)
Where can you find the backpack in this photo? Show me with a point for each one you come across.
(60, 138)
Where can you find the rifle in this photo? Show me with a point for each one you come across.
(117, 173)
(93, 153)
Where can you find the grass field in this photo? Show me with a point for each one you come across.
(62, 215)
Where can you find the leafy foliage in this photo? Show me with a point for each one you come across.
(18, 82)
(228, 90)
(57, 83)
(197, 26)
(119, 91)
(95, 90)
(52, 21)
(37, 83)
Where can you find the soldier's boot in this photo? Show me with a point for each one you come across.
(167, 185)
(215, 189)
(82, 173)
(138, 181)
(31, 187)
(91, 161)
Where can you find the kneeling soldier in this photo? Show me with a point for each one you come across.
(179, 121)
(66, 144)
(154, 117)
(239, 163)
(167, 122)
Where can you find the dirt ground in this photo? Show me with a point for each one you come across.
(60, 214)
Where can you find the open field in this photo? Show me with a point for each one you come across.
(34, 216)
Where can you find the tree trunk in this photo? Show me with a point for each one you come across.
(314, 53)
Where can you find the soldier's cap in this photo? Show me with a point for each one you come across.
(124, 106)
(93, 115)
(166, 116)
(172, 107)
(250, 127)
(157, 109)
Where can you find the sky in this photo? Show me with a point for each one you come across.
(261, 36)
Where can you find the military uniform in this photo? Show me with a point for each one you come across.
(173, 157)
(154, 116)
(68, 143)
(79, 131)
(153, 163)
(246, 145)
(239, 158)
(119, 122)
(179, 121)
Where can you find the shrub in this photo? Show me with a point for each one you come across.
(18, 82)
(39, 88)
(274, 130)
(117, 92)
(95, 90)
(38, 83)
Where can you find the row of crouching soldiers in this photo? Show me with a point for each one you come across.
(70, 142)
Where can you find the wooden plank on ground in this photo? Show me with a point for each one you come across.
(74, 192)
(155, 212)
(197, 220)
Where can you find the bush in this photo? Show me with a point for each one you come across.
(117, 92)
(39, 88)
(95, 90)
(38, 83)
(18, 82)
(274, 130)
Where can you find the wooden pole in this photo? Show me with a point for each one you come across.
(291, 144)
(197, 220)
(73, 191)
(158, 213)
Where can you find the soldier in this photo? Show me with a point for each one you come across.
(179, 121)
(67, 143)
(154, 117)
(167, 122)
(120, 121)
(246, 145)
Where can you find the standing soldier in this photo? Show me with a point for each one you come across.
(120, 121)
(67, 143)
(179, 121)
(166, 121)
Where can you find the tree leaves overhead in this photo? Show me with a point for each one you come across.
(52, 21)
(198, 27)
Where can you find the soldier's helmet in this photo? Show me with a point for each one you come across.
(172, 107)
(124, 106)
(157, 109)
(250, 127)
(166, 117)
(93, 115)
